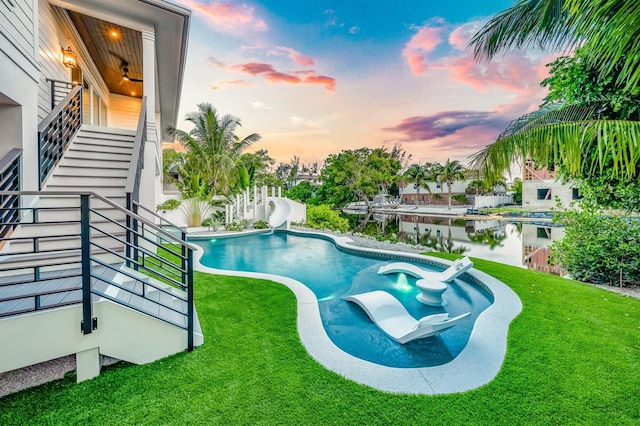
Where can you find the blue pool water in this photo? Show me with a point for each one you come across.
(333, 274)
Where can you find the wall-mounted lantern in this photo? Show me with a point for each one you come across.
(68, 58)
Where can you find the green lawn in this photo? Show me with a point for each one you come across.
(573, 358)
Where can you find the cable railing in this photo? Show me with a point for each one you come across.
(57, 130)
(60, 262)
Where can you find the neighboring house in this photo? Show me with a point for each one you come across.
(540, 189)
(438, 193)
(313, 178)
(87, 89)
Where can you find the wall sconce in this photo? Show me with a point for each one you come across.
(68, 58)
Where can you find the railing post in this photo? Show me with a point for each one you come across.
(134, 226)
(190, 302)
(85, 248)
(127, 249)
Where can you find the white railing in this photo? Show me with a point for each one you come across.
(250, 204)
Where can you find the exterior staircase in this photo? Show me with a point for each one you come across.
(97, 161)
(82, 274)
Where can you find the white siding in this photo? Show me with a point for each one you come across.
(123, 112)
(17, 24)
(51, 42)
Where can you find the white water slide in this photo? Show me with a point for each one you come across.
(281, 212)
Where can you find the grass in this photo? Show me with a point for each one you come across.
(573, 358)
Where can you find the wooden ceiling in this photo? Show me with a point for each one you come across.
(112, 48)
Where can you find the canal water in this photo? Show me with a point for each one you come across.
(513, 243)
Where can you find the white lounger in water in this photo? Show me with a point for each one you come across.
(395, 321)
(458, 268)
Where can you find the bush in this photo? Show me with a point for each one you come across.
(233, 226)
(168, 205)
(322, 217)
(213, 222)
(461, 198)
(597, 248)
(260, 224)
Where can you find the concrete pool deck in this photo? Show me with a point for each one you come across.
(477, 364)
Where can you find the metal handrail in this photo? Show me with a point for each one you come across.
(56, 132)
(10, 158)
(137, 156)
(54, 112)
(90, 250)
(157, 216)
(68, 85)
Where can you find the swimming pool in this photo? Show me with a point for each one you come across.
(332, 274)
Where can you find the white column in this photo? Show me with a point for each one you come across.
(151, 180)
(279, 191)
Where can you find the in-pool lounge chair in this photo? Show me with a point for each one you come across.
(395, 321)
(458, 268)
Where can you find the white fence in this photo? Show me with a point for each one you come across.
(487, 201)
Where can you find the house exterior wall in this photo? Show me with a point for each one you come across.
(532, 188)
(124, 112)
(19, 84)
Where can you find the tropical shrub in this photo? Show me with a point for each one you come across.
(168, 205)
(461, 198)
(213, 222)
(260, 224)
(233, 226)
(323, 217)
(195, 210)
(245, 223)
(598, 248)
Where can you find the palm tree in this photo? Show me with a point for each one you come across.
(563, 133)
(449, 173)
(212, 146)
(420, 175)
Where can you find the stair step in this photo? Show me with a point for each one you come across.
(64, 214)
(80, 154)
(105, 139)
(118, 170)
(88, 145)
(100, 131)
(74, 201)
(96, 182)
(105, 191)
(93, 163)
(51, 229)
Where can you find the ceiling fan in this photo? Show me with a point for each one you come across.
(125, 75)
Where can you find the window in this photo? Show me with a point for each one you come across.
(544, 193)
(543, 233)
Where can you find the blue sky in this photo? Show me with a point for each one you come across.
(314, 78)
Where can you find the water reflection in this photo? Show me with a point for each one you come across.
(517, 244)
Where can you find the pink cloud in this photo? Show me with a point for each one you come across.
(328, 82)
(422, 43)
(446, 123)
(294, 55)
(515, 72)
(273, 76)
(227, 16)
(221, 84)
(254, 68)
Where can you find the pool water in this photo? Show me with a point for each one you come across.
(333, 274)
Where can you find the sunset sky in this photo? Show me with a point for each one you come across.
(314, 78)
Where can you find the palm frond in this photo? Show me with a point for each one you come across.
(553, 138)
(539, 23)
